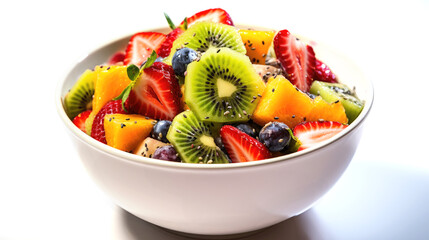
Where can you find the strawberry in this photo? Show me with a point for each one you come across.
(111, 107)
(242, 147)
(141, 45)
(323, 73)
(217, 15)
(116, 58)
(80, 119)
(156, 93)
(165, 48)
(297, 59)
(312, 133)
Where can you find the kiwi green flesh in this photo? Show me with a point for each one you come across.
(204, 35)
(332, 92)
(79, 98)
(193, 140)
(222, 87)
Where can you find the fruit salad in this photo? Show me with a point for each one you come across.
(210, 92)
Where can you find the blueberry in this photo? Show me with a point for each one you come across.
(275, 136)
(181, 59)
(167, 153)
(247, 129)
(160, 130)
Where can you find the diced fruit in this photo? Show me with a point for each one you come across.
(241, 147)
(117, 58)
(216, 15)
(312, 133)
(97, 131)
(141, 46)
(283, 102)
(181, 59)
(79, 98)
(222, 86)
(126, 131)
(275, 136)
(109, 83)
(297, 59)
(156, 94)
(80, 119)
(333, 92)
(257, 44)
(165, 48)
(148, 146)
(323, 73)
(194, 141)
(267, 71)
(160, 130)
(167, 153)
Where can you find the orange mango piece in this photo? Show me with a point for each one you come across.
(283, 102)
(126, 131)
(257, 44)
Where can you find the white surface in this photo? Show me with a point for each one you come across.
(46, 194)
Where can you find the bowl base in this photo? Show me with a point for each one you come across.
(229, 236)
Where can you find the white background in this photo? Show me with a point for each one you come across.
(46, 194)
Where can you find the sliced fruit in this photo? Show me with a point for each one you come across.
(165, 48)
(182, 98)
(148, 146)
(223, 86)
(117, 58)
(193, 140)
(312, 133)
(97, 131)
(297, 59)
(204, 35)
(80, 119)
(283, 102)
(217, 15)
(267, 71)
(141, 46)
(126, 131)
(109, 83)
(323, 73)
(242, 147)
(333, 92)
(79, 98)
(257, 44)
(156, 93)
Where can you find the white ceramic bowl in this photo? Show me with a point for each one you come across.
(225, 198)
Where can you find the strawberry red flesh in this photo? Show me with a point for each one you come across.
(217, 15)
(111, 107)
(141, 46)
(80, 119)
(312, 133)
(117, 58)
(165, 47)
(324, 73)
(156, 93)
(297, 59)
(242, 147)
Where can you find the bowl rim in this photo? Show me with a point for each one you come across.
(129, 157)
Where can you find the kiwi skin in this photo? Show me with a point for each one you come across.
(79, 98)
(208, 83)
(193, 140)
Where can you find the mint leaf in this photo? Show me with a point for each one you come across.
(124, 95)
(133, 72)
(150, 60)
(185, 23)
(170, 23)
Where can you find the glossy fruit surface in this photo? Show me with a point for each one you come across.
(275, 136)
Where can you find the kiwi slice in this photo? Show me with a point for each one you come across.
(193, 140)
(332, 92)
(79, 98)
(204, 35)
(222, 86)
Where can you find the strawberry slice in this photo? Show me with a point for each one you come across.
(312, 133)
(141, 46)
(165, 47)
(80, 119)
(297, 59)
(156, 93)
(217, 15)
(242, 147)
(324, 73)
(111, 107)
(116, 58)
